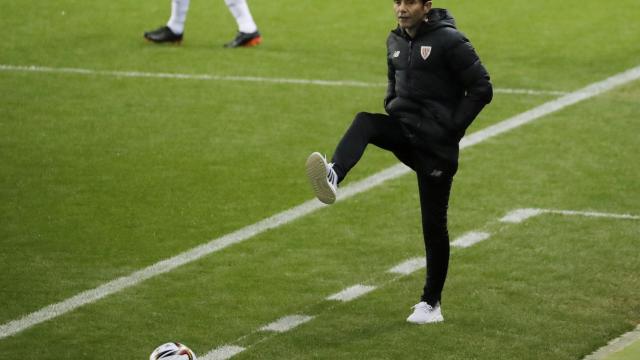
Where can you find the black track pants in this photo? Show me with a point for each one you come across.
(387, 133)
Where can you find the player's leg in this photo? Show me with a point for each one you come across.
(366, 128)
(179, 10)
(434, 202)
(248, 34)
(377, 129)
(172, 32)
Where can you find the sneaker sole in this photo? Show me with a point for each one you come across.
(253, 42)
(169, 42)
(434, 321)
(317, 174)
(430, 320)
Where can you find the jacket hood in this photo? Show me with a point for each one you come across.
(436, 18)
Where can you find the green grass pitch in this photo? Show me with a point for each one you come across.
(103, 175)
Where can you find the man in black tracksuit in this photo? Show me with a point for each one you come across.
(436, 88)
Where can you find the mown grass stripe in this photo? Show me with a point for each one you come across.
(469, 239)
(52, 311)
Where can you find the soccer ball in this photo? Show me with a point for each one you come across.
(172, 351)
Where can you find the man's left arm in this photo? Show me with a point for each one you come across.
(465, 64)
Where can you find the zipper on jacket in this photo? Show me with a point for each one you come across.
(409, 66)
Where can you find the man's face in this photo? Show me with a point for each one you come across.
(410, 13)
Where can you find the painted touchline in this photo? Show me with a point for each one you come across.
(161, 267)
(409, 266)
(258, 79)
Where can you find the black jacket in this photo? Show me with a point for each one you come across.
(437, 84)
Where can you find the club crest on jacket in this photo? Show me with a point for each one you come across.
(425, 51)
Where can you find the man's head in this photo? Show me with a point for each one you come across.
(410, 13)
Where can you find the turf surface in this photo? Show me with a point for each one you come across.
(102, 176)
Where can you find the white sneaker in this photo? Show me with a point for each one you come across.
(323, 178)
(424, 313)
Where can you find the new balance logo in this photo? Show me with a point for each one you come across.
(396, 53)
(436, 173)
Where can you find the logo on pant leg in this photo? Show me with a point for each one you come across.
(436, 173)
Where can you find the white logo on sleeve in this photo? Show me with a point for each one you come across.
(425, 51)
(396, 53)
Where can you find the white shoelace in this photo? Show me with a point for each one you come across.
(332, 177)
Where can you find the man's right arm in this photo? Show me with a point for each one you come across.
(391, 79)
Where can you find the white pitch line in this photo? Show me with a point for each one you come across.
(178, 76)
(223, 353)
(209, 77)
(520, 215)
(552, 106)
(593, 214)
(470, 239)
(529, 92)
(351, 293)
(409, 266)
(287, 323)
(161, 267)
(615, 345)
